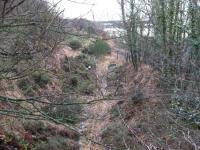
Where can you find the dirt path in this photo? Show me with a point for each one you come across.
(98, 114)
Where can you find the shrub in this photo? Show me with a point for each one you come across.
(31, 84)
(186, 106)
(42, 79)
(31, 91)
(80, 80)
(74, 81)
(115, 79)
(86, 87)
(28, 87)
(86, 60)
(46, 133)
(99, 48)
(114, 112)
(137, 96)
(116, 134)
(64, 113)
(91, 30)
(34, 127)
(75, 44)
(12, 141)
(23, 84)
(81, 83)
(57, 143)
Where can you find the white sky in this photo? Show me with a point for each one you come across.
(102, 10)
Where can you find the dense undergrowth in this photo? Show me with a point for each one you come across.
(153, 117)
(75, 44)
(31, 84)
(98, 48)
(81, 75)
(38, 135)
(78, 78)
(117, 135)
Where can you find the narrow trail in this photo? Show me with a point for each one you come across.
(98, 116)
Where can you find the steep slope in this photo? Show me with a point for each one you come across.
(143, 119)
(20, 133)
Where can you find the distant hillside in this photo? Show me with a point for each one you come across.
(83, 25)
(110, 24)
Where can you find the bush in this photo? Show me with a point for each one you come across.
(87, 60)
(86, 87)
(31, 84)
(64, 113)
(28, 87)
(115, 77)
(114, 112)
(116, 134)
(74, 81)
(186, 106)
(80, 80)
(34, 127)
(90, 30)
(137, 96)
(42, 79)
(12, 141)
(75, 44)
(43, 135)
(24, 84)
(80, 83)
(57, 143)
(99, 48)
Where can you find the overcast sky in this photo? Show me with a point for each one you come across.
(101, 10)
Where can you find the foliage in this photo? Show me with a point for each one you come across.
(41, 78)
(115, 114)
(34, 127)
(57, 143)
(65, 113)
(30, 85)
(86, 87)
(187, 107)
(99, 48)
(114, 75)
(27, 87)
(137, 96)
(117, 135)
(80, 79)
(115, 79)
(91, 30)
(45, 136)
(75, 44)
(13, 141)
(32, 39)
(170, 45)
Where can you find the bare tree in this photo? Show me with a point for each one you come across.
(28, 34)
